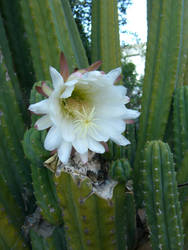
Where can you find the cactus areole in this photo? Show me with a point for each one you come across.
(83, 110)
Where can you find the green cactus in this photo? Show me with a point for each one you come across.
(18, 43)
(10, 237)
(165, 67)
(105, 34)
(92, 222)
(51, 21)
(182, 178)
(75, 214)
(10, 206)
(6, 53)
(44, 189)
(185, 222)
(54, 241)
(12, 157)
(120, 170)
(161, 197)
(180, 121)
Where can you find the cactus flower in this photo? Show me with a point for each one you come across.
(82, 111)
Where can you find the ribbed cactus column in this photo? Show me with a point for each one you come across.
(89, 223)
(56, 241)
(17, 39)
(180, 126)
(161, 197)
(10, 206)
(163, 62)
(10, 237)
(92, 222)
(180, 122)
(105, 34)
(165, 68)
(6, 54)
(44, 189)
(182, 179)
(50, 29)
(13, 166)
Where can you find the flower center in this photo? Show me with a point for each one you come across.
(74, 105)
(79, 107)
(85, 121)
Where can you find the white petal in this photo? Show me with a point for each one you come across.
(71, 83)
(64, 152)
(120, 140)
(41, 107)
(110, 111)
(97, 135)
(68, 92)
(121, 90)
(111, 128)
(74, 76)
(81, 145)
(126, 100)
(53, 139)
(84, 157)
(95, 146)
(93, 75)
(113, 74)
(130, 114)
(43, 123)
(67, 130)
(57, 79)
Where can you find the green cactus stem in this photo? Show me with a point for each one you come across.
(182, 178)
(180, 122)
(37, 241)
(92, 222)
(120, 170)
(55, 241)
(161, 197)
(165, 66)
(10, 237)
(185, 223)
(10, 206)
(6, 54)
(50, 29)
(44, 189)
(17, 39)
(12, 161)
(114, 151)
(105, 34)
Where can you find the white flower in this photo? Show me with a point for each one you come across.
(82, 112)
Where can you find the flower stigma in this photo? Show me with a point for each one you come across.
(75, 104)
(86, 121)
